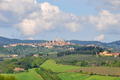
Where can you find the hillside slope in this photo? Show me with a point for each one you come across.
(115, 44)
(4, 40)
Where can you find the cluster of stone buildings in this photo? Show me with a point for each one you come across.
(58, 42)
(18, 69)
(48, 44)
(106, 53)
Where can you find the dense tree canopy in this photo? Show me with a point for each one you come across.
(82, 50)
(7, 77)
(25, 62)
(47, 74)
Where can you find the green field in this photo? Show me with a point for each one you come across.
(51, 64)
(78, 76)
(31, 75)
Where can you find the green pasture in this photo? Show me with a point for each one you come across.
(78, 76)
(51, 64)
(31, 75)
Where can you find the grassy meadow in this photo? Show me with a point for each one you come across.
(51, 64)
(69, 72)
(78, 76)
(31, 75)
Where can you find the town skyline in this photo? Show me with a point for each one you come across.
(47, 44)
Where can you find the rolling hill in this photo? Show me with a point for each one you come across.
(4, 40)
(115, 44)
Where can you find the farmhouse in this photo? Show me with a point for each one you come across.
(18, 69)
(106, 53)
(14, 55)
(35, 55)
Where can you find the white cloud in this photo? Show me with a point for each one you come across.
(30, 38)
(49, 18)
(3, 18)
(18, 6)
(14, 11)
(73, 26)
(32, 18)
(112, 4)
(99, 38)
(106, 21)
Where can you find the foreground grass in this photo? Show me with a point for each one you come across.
(51, 64)
(31, 75)
(78, 76)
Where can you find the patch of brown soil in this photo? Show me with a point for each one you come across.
(99, 70)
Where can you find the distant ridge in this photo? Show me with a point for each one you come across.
(4, 40)
(115, 44)
(85, 42)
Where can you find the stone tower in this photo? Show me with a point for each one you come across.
(57, 39)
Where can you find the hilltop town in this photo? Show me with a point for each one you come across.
(48, 44)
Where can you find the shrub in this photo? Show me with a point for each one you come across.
(80, 71)
(86, 72)
(91, 73)
(7, 77)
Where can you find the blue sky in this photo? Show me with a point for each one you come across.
(89, 20)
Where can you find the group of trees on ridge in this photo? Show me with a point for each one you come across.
(24, 62)
(82, 50)
(91, 63)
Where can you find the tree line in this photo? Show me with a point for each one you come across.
(47, 74)
(7, 77)
(82, 50)
(91, 63)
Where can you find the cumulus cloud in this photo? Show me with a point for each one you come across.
(18, 6)
(14, 11)
(32, 18)
(106, 21)
(30, 38)
(73, 26)
(2, 18)
(49, 18)
(113, 4)
(99, 38)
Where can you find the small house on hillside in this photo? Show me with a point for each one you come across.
(14, 55)
(18, 69)
(35, 55)
(106, 53)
